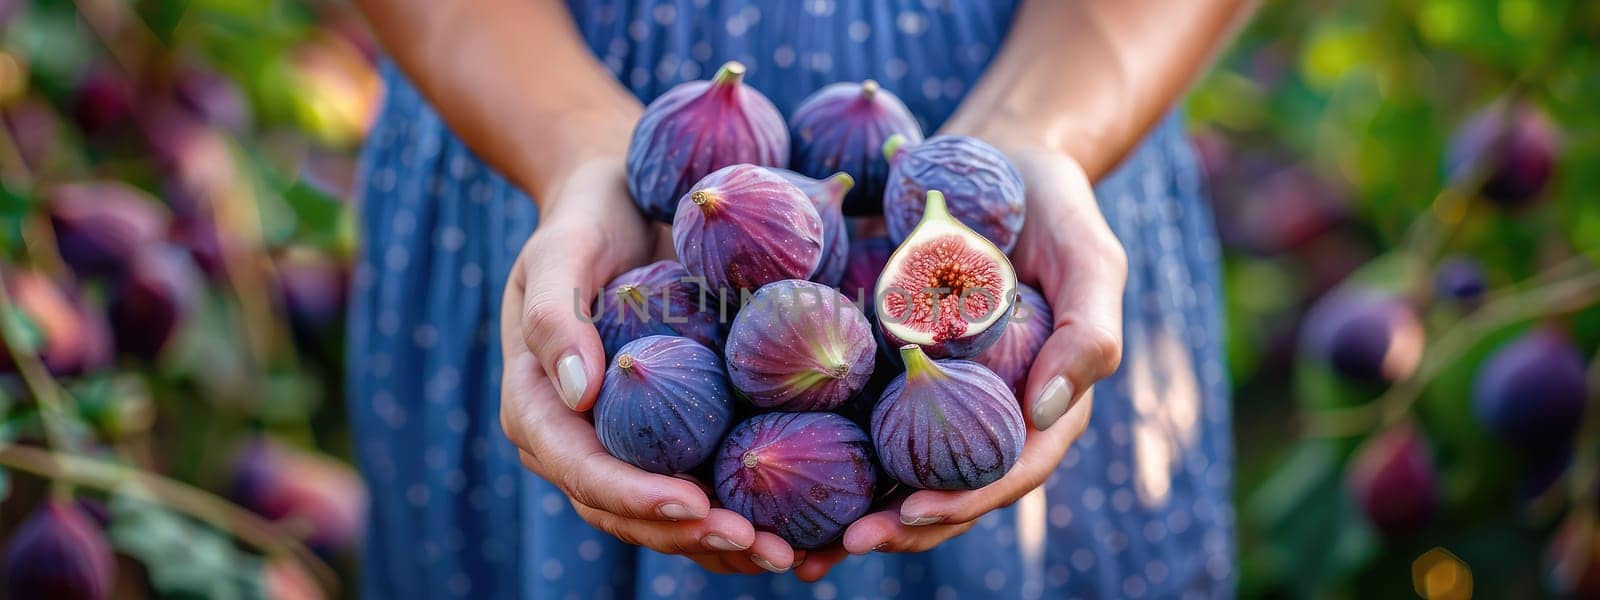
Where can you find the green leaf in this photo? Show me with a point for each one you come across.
(21, 330)
(184, 559)
(1315, 539)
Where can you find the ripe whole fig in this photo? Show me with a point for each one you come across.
(826, 195)
(743, 227)
(947, 424)
(1027, 328)
(59, 552)
(99, 225)
(285, 483)
(802, 476)
(161, 290)
(1531, 392)
(72, 339)
(697, 128)
(983, 189)
(867, 258)
(1364, 335)
(660, 298)
(1510, 151)
(664, 404)
(1459, 279)
(945, 288)
(1392, 478)
(799, 346)
(842, 127)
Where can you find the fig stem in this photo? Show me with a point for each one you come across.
(706, 200)
(917, 362)
(891, 147)
(935, 207)
(732, 72)
(843, 181)
(631, 293)
(869, 88)
(624, 361)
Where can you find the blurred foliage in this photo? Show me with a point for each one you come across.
(157, 330)
(1327, 132)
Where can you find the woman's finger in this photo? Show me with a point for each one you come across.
(561, 280)
(771, 553)
(882, 531)
(1040, 455)
(819, 562)
(1086, 345)
(721, 531)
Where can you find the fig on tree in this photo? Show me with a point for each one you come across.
(1531, 392)
(59, 552)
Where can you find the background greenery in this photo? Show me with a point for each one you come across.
(1325, 132)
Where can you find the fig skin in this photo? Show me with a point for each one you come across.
(802, 476)
(944, 253)
(743, 227)
(842, 127)
(1026, 329)
(162, 290)
(867, 257)
(1531, 392)
(1515, 151)
(664, 404)
(99, 224)
(59, 552)
(947, 424)
(1392, 478)
(827, 195)
(800, 346)
(984, 190)
(670, 301)
(696, 128)
(1364, 335)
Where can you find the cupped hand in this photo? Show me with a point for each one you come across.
(589, 232)
(1070, 254)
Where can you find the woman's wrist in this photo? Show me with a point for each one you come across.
(1013, 130)
(573, 141)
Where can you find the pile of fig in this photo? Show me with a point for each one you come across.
(805, 376)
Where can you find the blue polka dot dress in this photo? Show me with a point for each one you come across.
(1139, 508)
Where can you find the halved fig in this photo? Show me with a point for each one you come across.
(946, 288)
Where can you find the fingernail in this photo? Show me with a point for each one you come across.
(911, 521)
(1052, 403)
(872, 549)
(676, 512)
(569, 374)
(717, 542)
(763, 563)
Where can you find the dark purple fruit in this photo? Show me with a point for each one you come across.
(697, 128)
(1460, 279)
(842, 127)
(1392, 479)
(826, 196)
(99, 225)
(59, 553)
(867, 258)
(1531, 391)
(103, 99)
(802, 476)
(71, 338)
(983, 189)
(1027, 328)
(660, 298)
(1511, 151)
(324, 496)
(743, 227)
(314, 288)
(947, 424)
(212, 98)
(945, 288)
(799, 346)
(1364, 335)
(161, 290)
(664, 405)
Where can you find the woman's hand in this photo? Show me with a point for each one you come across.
(589, 232)
(1069, 252)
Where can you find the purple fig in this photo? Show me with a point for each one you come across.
(867, 258)
(1392, 479)
(1460, 279)
(660, 298)
(664, 404)
(212, 98)
(1511, 151)
(313, 285)
(697, 128)
(842, 127)
(826, 196)
(199, 235)
(1027, 328)
(103, 99)
(1531, 391)
(743, 227)
(324, 496)
(947, 424)
(802, 476)
(945, 288)
(72, 339)
(799, 346)
(1285, 210)
(161, 290)
(59, 553)
(99, 225)
(984, 190)
(1364, 335)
